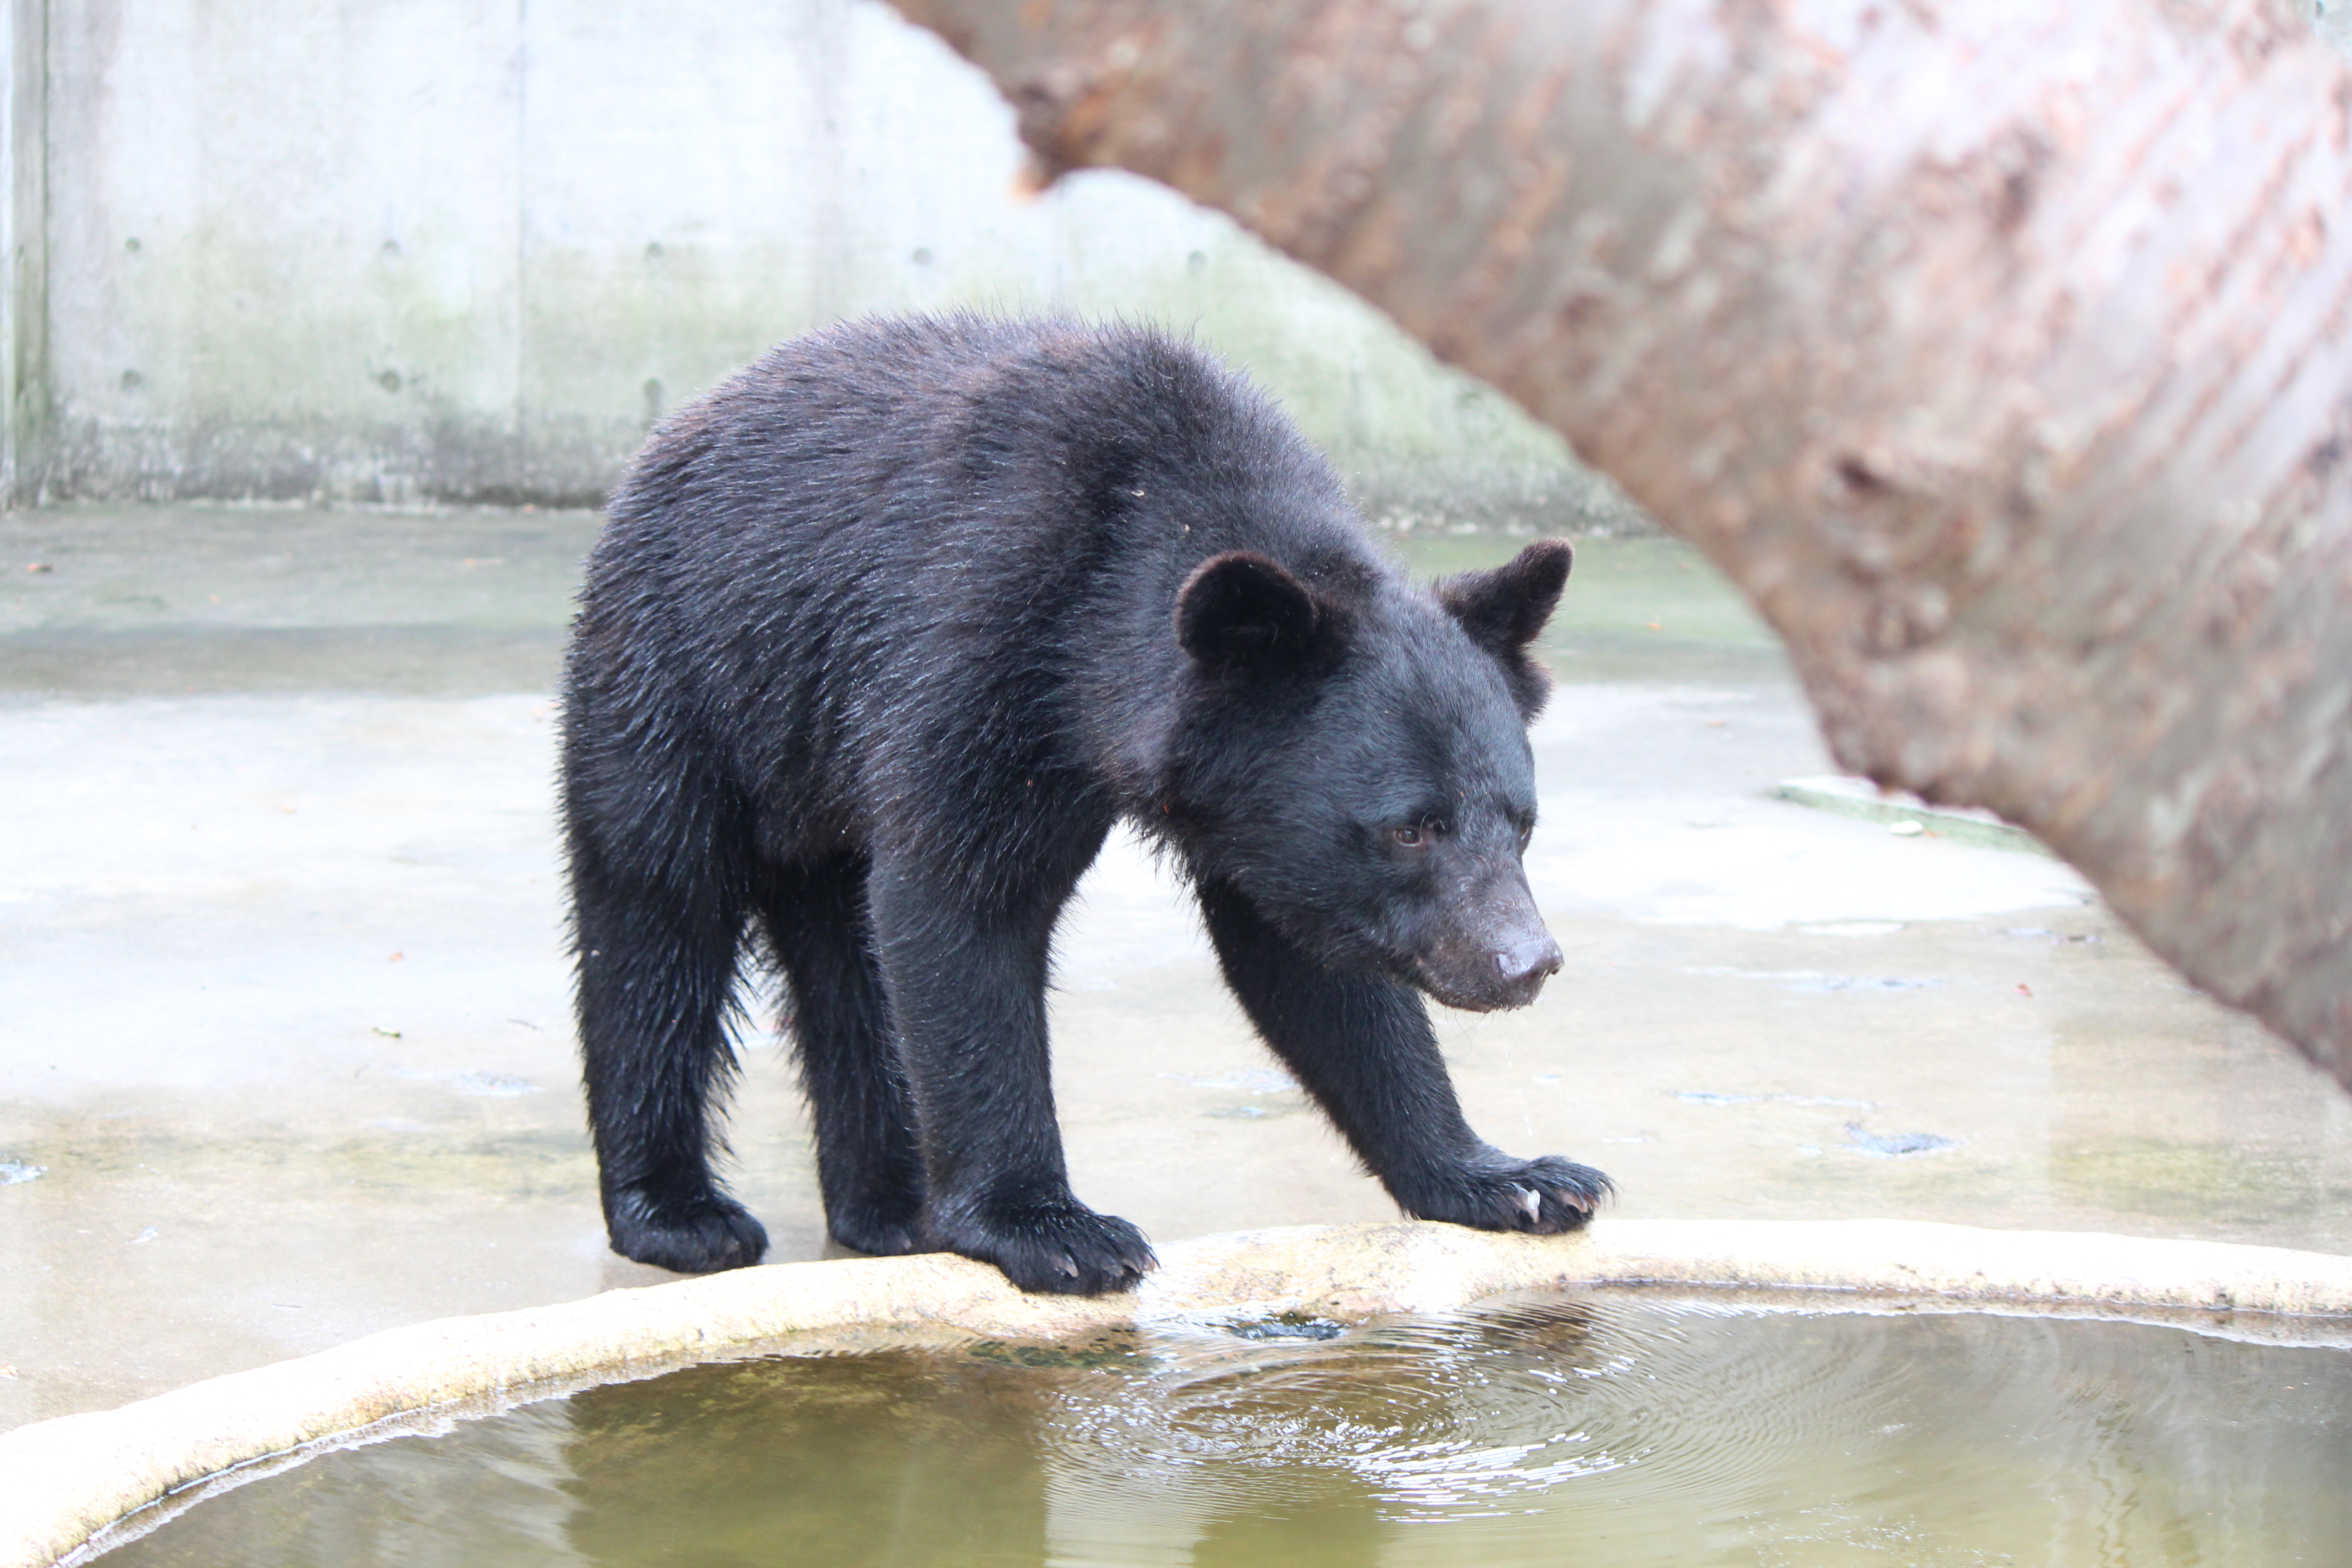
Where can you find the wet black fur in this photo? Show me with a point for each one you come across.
(883, 636)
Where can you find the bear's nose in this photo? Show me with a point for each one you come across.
(1527, 963)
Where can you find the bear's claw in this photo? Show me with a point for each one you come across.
(1493, 1192)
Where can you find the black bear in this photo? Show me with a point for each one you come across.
(880, 639)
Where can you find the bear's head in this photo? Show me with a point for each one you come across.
(1355, 763)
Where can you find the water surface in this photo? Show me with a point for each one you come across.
(1623, 1430)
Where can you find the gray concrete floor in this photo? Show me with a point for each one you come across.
(285, 1054)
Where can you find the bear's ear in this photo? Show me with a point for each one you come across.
(1504, 609)
(1239, 611)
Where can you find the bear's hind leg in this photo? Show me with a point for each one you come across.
(869, 1166)
(658, 965)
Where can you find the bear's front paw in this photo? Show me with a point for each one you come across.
(697, 1235)
(1494, 1191)
(1059, 1248)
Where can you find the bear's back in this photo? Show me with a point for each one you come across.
(882, 527)
(914, 419)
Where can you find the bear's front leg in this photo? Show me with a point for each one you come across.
(967, 990)
(1362, 1045)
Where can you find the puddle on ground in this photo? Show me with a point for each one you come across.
(1623, 1430)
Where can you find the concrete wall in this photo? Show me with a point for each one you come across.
(444, 251)
(24, 255)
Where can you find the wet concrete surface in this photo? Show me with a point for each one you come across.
(284, 1053)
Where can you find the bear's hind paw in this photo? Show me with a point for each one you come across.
(701, 1235)
(878, 1238)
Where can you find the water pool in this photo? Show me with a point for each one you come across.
(1619, 1428)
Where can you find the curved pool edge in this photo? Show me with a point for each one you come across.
(64, 1480)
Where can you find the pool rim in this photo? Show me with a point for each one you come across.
(68, 1482)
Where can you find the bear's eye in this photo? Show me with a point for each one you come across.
(1414, 834)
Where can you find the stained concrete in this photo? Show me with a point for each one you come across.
(284, 1048)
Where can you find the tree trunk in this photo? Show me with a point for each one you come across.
(1997, 349)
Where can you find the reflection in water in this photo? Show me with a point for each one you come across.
(1619, 1431)
(495, 1491)
(891, 1460)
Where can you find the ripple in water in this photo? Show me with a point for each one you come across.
(1620, 1430)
